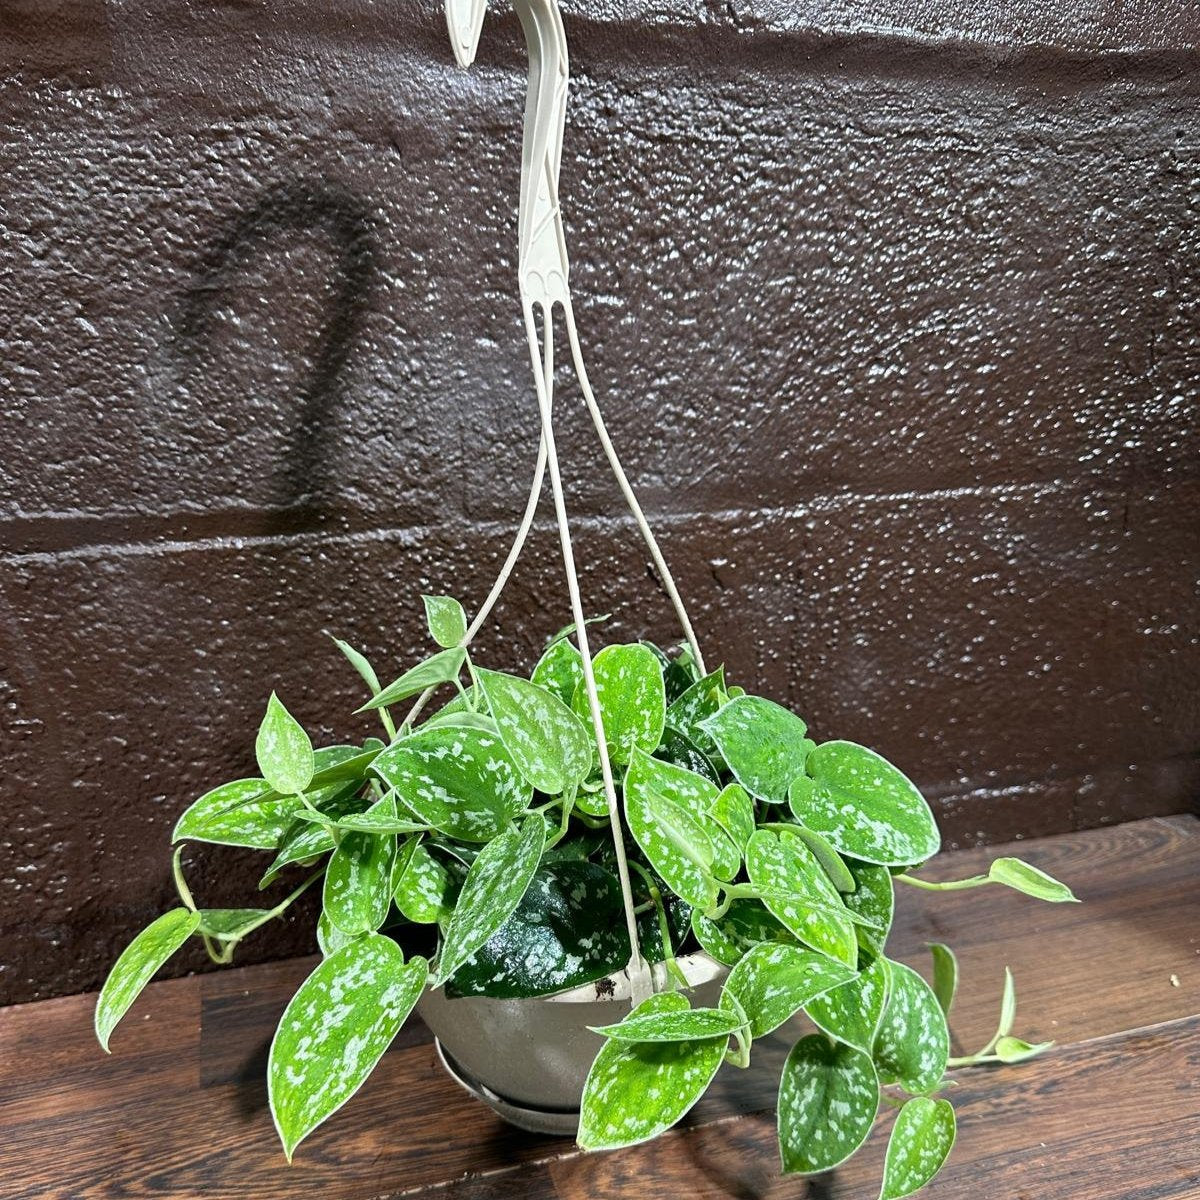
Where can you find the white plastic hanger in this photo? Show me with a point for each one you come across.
(544, 278)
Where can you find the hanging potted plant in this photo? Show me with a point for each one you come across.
(600, 882)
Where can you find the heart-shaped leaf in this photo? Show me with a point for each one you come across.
(460, 781)
(636, 1090)
(549, 744)
(358, 881)
(424, 886)
(446, 620)
(633, 703)
(335, 1029)
(774, 982)
(701, 701)
(763, 743)
(913, 1043)
(568, 929)
(745, 925)
(873, 899)
(828, 1098)
(852, 1013)
(676, 846)
(1014, 873)
(560, 670)
(799, 893)
(283, 749)
(733, 810)
(439, 668)
(495, 884)
(865, 806)
(921, 1140)
(138, 964)
(681, 1026)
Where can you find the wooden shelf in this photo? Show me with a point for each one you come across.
(180, 1110)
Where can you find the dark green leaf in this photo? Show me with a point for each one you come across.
(675, 748)
(335, 1029)
(828, 1098)
(865, 806)
(745, 925)
(831, 861)
(138, 964)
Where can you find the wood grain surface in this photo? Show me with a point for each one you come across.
(179, 1110)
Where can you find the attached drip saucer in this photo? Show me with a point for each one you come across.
(557, 1122)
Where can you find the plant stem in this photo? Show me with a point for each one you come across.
(954, 885)
(185, 893)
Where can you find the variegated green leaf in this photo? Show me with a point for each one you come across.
(305, 841)
(330, 939)
(828, 1098)
(676, 846)
(763, 743)
(865, 806)
(746, 924)
(560, 670)
(831, 861)
(283, 749)
(921, 1141)
(551, 747)
(773, 982)
(873, 899)
(358, 880)
(442, 667)
(424, 890)
(446, 620)
(681, 1026)
(852, 1013)
(460, 781)
(495, 884)
(799, 893)
(246, 812)
(913, 1043)
(633, 704)
(636, 1090)
(701, 701)
(138, 964)
(335, 1029)
(232, 924)
(733, 810)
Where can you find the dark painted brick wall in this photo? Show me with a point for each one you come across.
(894, 306)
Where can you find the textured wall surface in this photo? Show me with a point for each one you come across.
(894, 304)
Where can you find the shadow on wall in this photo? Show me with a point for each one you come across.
(297, 206)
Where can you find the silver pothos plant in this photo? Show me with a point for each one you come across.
(487, 823)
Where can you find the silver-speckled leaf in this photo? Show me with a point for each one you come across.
(874, 898)
(358, 879)
(560, 670)
(139, 962)
(460, 781)
(633, 700)
(305, 841)
(866, 807)
(701, 701)
(921, 1141)
(330, 939)
(774, 982)
(550, 745)
(231, 924)
(681, 1026)
(335, 1029)
(446, 620)
(439, 668)
(852, 1013)
(677, 848)
(913, 1043)
(782, 864)
(495, 884)
(283, 750)
(763, 743)
(424, 889)
(636, 1090)
(693, 793)
(246, 812)
(746, 924)
(733, 810)
(828, 1098)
